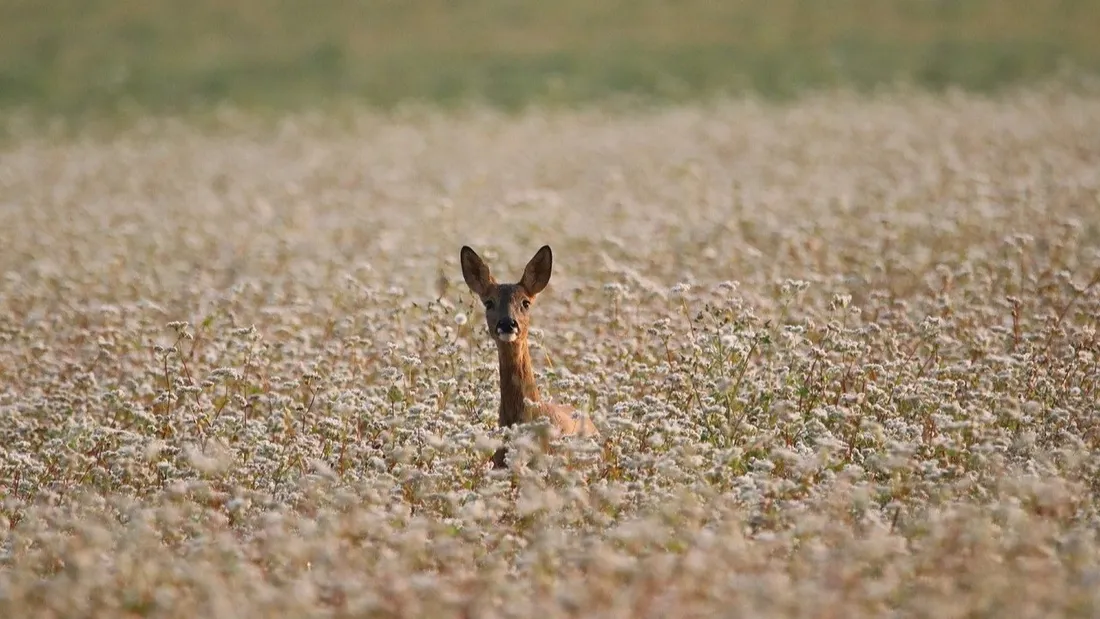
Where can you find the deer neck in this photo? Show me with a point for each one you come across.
(517, 381)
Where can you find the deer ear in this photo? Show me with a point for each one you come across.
(475, 272)
(537, 273)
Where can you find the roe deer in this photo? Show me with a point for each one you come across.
(507, 316)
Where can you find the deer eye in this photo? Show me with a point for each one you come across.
(526, 303)
(488, 304)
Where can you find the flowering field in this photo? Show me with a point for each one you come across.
(842, 354)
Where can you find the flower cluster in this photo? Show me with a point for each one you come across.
(845, 366)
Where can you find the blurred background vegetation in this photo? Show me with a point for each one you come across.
(79, 57)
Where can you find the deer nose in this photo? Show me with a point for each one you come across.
(507, 325)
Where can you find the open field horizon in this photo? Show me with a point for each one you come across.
(842, 353)
(82, 60)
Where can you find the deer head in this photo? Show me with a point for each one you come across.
(507, 305)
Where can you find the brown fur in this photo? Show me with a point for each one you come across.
(517, 374)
